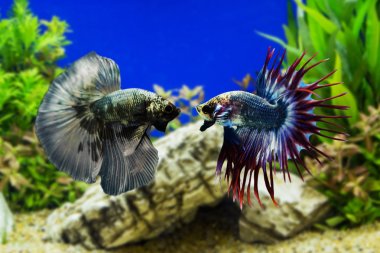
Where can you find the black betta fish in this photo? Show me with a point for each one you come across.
(269, 127)
(89, 127)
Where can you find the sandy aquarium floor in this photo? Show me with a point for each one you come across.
(214, 230)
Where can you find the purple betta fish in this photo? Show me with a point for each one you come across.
(267, 127)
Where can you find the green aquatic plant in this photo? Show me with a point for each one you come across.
(27, 42)
(22, 93)
(186, 99)
(352, 180)
(346, 32)
(29, 51)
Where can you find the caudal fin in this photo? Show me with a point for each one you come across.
(68, 131)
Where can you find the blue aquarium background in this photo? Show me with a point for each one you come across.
(169, 42)
(189, 51)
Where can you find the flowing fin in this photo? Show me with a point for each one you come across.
(248, 156)
(65, 126)
(263, 149)
(123, 170)
(128, 137)
(231, 137)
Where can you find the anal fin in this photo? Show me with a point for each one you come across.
(130, 159)
(231, 137)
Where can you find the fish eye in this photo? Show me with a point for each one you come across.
(206, 109)
(169, 108)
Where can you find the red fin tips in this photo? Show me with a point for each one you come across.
(249, 189)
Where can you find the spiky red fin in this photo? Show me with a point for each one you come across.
(263, 149)
(245, 157)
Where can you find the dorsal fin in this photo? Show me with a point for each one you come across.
(95, 74)
(272, 84)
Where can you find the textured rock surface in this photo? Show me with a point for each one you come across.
(299, 207)
(185, 180)
(6, 219)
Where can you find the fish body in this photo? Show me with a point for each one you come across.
(241, 108)
(262, 131)
(89, 127)
(134, 107)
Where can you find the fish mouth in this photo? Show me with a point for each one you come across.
(198, 108)
(208, 121)
(174, 114)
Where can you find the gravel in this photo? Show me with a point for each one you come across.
(214, 230)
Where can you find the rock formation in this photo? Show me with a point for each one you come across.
(299, 207)
(185, 180)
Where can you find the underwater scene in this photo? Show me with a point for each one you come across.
(190, 126)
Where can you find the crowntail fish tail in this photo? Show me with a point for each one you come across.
(262, 148)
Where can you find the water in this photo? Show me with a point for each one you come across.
(171, 42)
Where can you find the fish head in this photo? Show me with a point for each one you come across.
(212, 109)
(162, 111)
(215, 110)
(207, 109)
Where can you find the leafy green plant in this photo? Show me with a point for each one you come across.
(29, 51)
(185, 98)
(348, 33)
(28, 59)
(23, 92)
(352, 179)
(28, 42)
